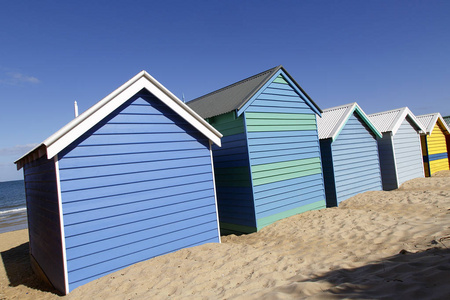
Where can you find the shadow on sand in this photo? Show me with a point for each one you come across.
(421, 275)
(18, 269)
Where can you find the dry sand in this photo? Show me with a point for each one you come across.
(375, 245)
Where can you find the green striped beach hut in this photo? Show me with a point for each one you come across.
(269, 166)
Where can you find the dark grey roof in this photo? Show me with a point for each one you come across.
(235, 96)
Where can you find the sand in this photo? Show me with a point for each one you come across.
(375, 245)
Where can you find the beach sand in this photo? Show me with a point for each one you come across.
(375, 245)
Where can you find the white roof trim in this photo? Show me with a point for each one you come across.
(78, 126)
(435, 117)
(328, 120)
(398, 119)
(405, 113)
(342, 120)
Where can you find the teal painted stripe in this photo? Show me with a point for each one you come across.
(260, 122)
(264, 128)
(273, 172)
(284, 164)
(280, 79)
(364, 118)
(283, 116)
(285, 214)
(228, 124)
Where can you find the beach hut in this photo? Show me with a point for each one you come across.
(399, 147)
(268, 167)
(348, 145)
(447, 120)
(435, 147)
(129, 179)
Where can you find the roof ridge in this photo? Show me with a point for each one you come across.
(75, 128)
(388, 111)
(338, 107)
(426, 115)
(271, 70)
(435, 117)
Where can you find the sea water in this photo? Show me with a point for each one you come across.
(13, 212)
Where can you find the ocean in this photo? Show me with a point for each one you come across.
(13, 212)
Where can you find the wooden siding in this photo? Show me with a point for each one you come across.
(279, 98)
(387, 162)
(437, 150)
(284, 154)
(426, 163)
(355, 160)
(447, 141)
(136, 186)
(328, 172)
(408, 154)
(44, 226)
(232, 174)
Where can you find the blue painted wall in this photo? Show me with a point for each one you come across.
(328, 172)
(268, 167)
(136, 186)
(387, 162)
(233, 182)
(284, 153)
(44, 226)
(400, 156)
(355, 162)
(408, 153)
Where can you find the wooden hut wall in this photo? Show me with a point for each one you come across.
(44, 227)
(328, 172)
(387, 162)
(284, 153)
(447, 120)
(447, 141)
(355, 162)
(435, 152)
(408, 153)
(426, 163)
(136, 186)
(232, 172)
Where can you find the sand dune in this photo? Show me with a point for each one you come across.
(378, 244)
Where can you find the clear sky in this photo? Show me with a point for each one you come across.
(381, 54)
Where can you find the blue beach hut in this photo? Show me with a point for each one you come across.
(268, 167)
(399, 147)
(129, 179)
(348, 144)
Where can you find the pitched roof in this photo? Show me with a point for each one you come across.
(430, 120)
(447, 120)
(334, 119)
(92, 116)
(390, 121)
(236, 95)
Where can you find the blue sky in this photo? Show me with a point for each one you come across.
(381, 54)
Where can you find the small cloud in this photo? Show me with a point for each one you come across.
(18, 150)
(14, 78)
(23, 78)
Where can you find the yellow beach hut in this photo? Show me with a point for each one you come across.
(435, 148)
